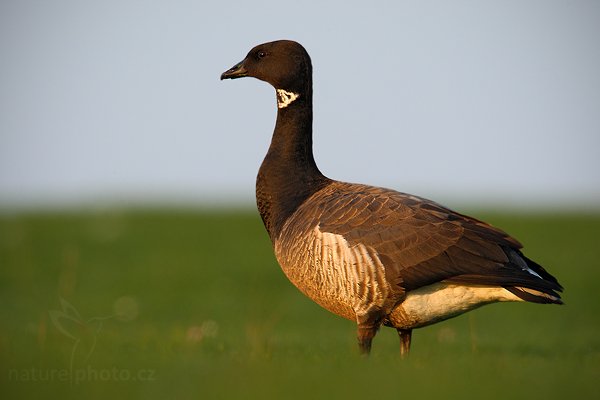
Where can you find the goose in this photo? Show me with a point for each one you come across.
(372, 255)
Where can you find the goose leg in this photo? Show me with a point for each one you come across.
(405, 335)
(366, 333)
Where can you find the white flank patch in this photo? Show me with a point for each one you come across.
(285, 98)
(441, 301)
(354, 270)
(346, 279)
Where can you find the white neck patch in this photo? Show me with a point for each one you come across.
(285, 98)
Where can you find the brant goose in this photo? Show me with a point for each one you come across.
(373, 255)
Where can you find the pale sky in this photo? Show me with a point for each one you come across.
(476, 102)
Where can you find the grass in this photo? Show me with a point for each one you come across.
(191, 304)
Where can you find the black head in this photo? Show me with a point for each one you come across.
(285, 64)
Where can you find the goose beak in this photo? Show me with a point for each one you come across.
(237, 71)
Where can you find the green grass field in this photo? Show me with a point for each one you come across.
(191, 304)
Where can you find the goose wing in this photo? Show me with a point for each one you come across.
(420, 242)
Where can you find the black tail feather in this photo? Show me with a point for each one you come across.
(535, 296)
(521, 276)
(541, 271)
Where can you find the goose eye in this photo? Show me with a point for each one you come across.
(261, 54)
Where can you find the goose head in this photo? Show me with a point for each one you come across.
(284, 64)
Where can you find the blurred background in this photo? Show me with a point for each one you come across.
(133, 263)
(467, 102)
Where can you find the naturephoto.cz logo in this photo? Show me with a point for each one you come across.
(84, 336)
(81, 375)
